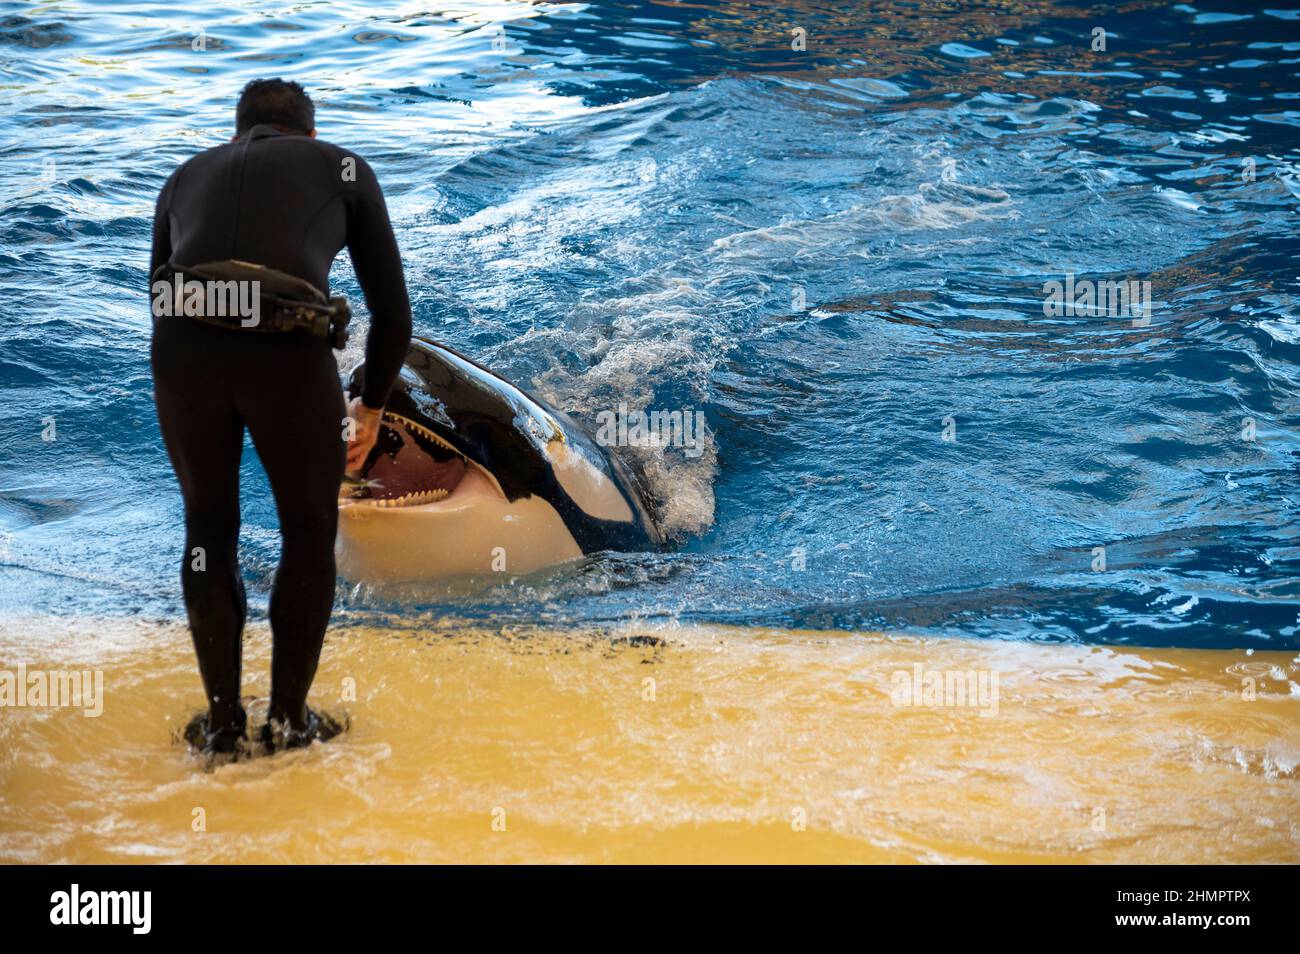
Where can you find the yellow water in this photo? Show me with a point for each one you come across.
(746, 745)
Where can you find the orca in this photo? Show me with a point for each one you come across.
(472, 475)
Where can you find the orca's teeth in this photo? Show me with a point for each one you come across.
(424, 497)
(412, 499)
(395, 421)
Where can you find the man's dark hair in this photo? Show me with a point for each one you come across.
(275, 101)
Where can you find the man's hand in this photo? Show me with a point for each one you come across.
(367, 432)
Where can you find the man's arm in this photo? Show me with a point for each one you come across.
(378, 264)
(161, 252)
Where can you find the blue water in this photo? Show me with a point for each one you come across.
(624, 202)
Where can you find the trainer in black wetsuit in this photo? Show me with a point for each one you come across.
(278, 197)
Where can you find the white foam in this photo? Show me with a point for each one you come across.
(637, 344)
(942, 204)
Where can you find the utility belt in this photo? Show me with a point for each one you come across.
(223, 294)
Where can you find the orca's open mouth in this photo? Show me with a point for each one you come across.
(410, 466)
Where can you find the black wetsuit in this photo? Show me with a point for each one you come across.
(290, 203)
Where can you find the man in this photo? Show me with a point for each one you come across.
(278, 197)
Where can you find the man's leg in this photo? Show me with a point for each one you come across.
(294, 412)
(204, 437)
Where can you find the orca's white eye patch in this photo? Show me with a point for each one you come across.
(586, 484)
